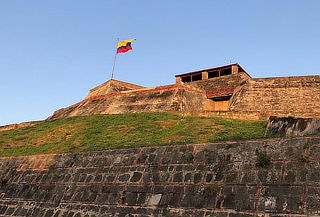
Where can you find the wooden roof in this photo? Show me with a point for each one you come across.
(213, 69)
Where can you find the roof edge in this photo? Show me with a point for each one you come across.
(215, 68)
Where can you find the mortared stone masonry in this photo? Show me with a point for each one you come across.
(269, 177)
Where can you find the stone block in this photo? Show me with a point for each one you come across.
(154, 200)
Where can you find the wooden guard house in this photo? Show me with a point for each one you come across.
(210, 73)
(219, 83)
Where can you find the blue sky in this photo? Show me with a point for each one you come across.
(53, 52)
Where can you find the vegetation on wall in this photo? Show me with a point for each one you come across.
(263, 159)
(98, 132)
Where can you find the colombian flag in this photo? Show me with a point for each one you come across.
(124, 46)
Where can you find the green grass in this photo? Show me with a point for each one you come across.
(98, 132)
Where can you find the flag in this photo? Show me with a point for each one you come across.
(124, 46)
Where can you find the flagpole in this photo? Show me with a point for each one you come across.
(114, 61)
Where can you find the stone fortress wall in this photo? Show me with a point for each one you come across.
(169, 98)
(294, 96)
(226, 91)
(260, 98)
(269, 177)
(16, 126)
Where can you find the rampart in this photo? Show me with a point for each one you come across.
(292, 96)
(270, 177)
(226, 91)
(169, 98)
(232, 96)
(16, 126)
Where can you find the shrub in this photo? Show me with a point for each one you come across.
(263, 159)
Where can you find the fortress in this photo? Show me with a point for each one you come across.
(250, 178)
(227, 91)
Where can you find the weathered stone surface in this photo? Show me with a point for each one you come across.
(252, 98)
(16, 126)
(281, 96)
(173, 98)
(222, 82)
(217, 179)
(291, 126)
(112, 86)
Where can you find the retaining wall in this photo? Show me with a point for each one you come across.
(226, 179)
(291, 126)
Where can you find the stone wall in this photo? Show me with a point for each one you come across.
(242, 115)
(257, 115)
(218, 83)
(287, 95)
(171, 98)
(112, 86)
(271, 177)
(16, 126)
(291, 126)
(255, 98)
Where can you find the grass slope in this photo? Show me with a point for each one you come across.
(99, 132)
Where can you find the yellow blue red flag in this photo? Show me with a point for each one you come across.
(124, 46)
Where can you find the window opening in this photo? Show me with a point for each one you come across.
(213, 74)
(220, 98)
(186, 79)
(197, 77)
(225, 72)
